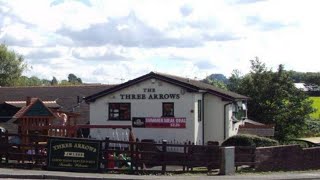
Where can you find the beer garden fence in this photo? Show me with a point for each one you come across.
(113, 156)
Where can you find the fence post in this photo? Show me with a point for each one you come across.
(100, 169)
(185, 159)
(2, 144)
(132, 154)
(36, 150)
(227, 161)
(6, 141)
(164, 151)
(106, 153)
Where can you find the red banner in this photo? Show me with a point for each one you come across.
(165, 122)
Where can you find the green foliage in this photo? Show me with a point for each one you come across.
(54, 81)
(32, 81)
(11, 66)
(217, 80)
(274, 99)
(234, 81)
(73, 79)
(306, 77)
(312, 128)
(249, 140)
(316, 106)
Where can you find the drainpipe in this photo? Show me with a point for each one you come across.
(202, 113)
(225, 120)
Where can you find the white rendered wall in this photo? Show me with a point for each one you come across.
(214, 118)
(183, 107)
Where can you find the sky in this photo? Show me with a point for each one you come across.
(110, 42)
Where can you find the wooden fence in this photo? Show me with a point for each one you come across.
(131, 157)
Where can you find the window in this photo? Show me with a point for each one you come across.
(119, 111)
(199, 110)
(167, 109)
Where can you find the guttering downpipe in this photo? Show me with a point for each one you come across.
(225, 120)
(202, 112)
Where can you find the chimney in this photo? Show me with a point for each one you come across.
(28, 101)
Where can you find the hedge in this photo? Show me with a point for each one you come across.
(249, 140)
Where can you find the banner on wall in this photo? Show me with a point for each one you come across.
(158, 122)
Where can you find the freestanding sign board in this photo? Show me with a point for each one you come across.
(73, 154)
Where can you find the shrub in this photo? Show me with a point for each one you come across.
(249, 140)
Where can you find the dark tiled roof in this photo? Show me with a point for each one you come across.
(189, 84)
(65, 96)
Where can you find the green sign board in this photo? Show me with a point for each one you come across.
(73, 154)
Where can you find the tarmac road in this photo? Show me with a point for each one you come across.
(39, 174)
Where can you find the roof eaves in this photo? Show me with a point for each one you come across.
(93, 97)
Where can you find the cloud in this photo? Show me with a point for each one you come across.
(205, 65)
(245, 1)
(127, 31)
(186, 10)
(43, 54)
(106, 56)
(57, 2)
(225, 36)
(265, 25)
(11, 40)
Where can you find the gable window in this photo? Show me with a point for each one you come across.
(119, 111)
(167, 109)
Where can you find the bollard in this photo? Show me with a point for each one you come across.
(227, 161)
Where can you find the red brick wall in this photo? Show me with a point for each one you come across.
(291, 157)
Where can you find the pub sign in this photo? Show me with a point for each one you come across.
(73, 154)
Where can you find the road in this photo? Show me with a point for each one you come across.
(37, 174)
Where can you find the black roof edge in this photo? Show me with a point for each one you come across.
(189, 87)
(93, 97)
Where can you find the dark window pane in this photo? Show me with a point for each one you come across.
(168, 110)
(119, 111)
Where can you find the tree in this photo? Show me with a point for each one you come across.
(217, 80)
(73, 79)
(234, 81)
(54, 81)
(11, 66)
(275, 100)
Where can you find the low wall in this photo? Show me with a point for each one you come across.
(291, 157)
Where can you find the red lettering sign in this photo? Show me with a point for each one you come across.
(165, 122)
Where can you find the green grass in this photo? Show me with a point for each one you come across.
(316, 105)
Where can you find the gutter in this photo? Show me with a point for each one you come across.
(225, 120)
(202, 114)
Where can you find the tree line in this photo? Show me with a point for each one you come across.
(12, 66)
(273, 96)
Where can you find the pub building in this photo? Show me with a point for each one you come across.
(165, 107)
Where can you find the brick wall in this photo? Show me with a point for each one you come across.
(291, 157)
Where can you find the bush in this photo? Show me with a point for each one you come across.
(249, 140)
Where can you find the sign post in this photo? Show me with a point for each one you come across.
(73, 154)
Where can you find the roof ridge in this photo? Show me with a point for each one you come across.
(17, 87)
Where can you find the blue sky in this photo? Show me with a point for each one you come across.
(106, 41)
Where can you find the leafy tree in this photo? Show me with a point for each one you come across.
(234, 81)
(73, 79)
(274, 99)
(32, 81)
(217, 80)
(11, 66)
(54, 81)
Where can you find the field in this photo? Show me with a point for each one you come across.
(316, 104)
